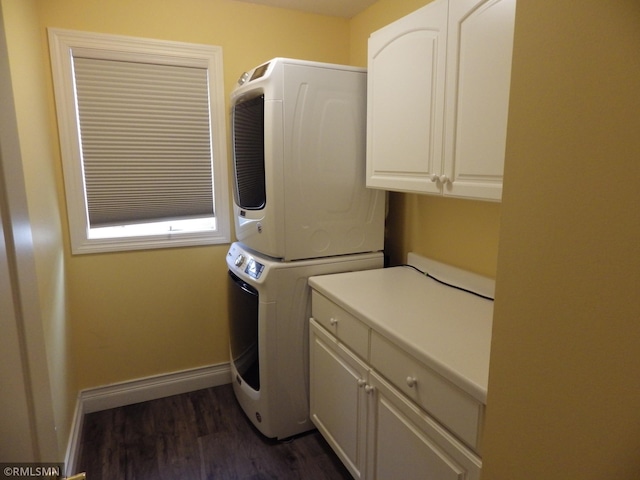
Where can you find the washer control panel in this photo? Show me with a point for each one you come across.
(245, 263)
(254, 269)
(239, 260)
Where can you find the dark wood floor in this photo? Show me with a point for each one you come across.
(195, 436)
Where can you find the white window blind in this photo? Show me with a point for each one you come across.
(145, 141)
(142, 128)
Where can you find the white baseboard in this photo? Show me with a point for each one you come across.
(139, 390)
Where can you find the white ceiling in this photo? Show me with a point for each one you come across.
(335, 8)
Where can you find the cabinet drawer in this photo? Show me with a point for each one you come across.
(456, 410)
(348, 329)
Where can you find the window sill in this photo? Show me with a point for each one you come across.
(147, 242)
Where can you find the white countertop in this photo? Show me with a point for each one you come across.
(447, 329)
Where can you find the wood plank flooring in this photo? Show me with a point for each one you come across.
(196, 436)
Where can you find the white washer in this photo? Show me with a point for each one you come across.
(269, 309)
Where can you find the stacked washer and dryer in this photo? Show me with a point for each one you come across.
(301, 209)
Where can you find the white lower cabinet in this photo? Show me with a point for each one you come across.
(338, 400)
(377, 431)
(405, 442)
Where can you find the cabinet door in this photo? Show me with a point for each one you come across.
(405, 101)
(409, 444)
(479, 45)
(338, 398)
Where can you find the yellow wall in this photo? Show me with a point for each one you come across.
(462, 233)
(564, 392)
(40, 172)
(136, 314)
(248, 33)
(117, 317)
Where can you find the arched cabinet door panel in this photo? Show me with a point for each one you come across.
(405, 108)
(479, 76)
(438, 97)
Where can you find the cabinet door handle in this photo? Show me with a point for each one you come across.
(333, 321)
(412, 382)
(434, 178)
(369, 388)
(361, 382)
(444, 179)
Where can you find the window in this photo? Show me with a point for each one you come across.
(143, 142)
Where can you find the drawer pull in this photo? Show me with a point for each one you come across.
(333, 321)
(412, 382)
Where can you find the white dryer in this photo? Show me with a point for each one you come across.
(299, 141)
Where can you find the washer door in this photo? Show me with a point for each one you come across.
(243, 330)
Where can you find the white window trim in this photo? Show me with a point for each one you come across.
(63, 44)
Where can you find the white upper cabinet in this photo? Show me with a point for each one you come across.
(438, 97)
(405, 101)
